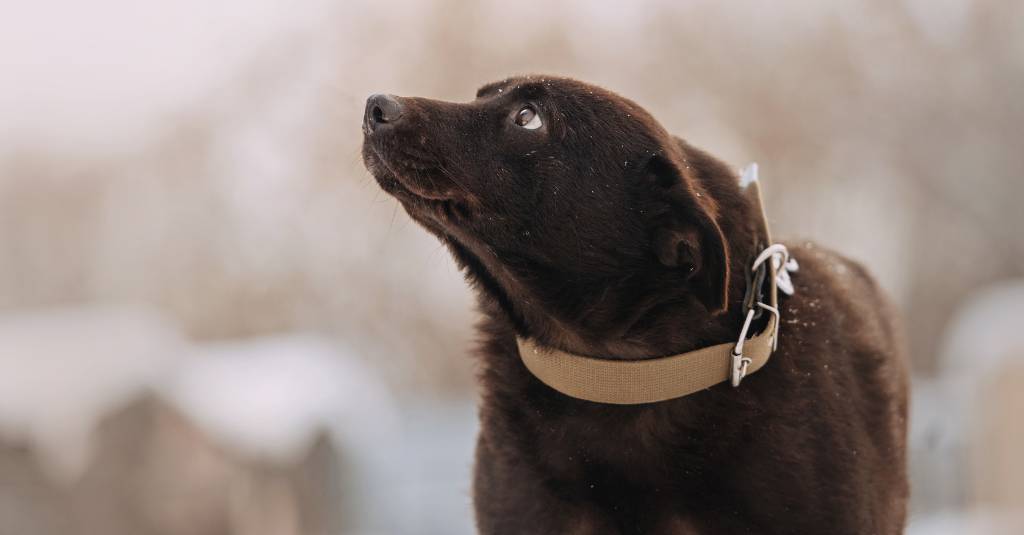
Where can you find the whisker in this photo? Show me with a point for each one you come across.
(451, 176)
(391, 225)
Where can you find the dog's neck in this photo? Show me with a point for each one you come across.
(623, 317)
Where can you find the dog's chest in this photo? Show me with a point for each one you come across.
(637, 449)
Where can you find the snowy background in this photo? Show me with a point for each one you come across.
(211, 321)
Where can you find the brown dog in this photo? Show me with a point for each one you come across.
(585, 227)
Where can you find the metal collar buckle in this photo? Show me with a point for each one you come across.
(739, 362)
(782, 264)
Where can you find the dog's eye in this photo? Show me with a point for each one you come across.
(528, 118)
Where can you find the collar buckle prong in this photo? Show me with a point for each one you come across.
(739, 368)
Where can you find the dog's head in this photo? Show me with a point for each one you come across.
(569, 204)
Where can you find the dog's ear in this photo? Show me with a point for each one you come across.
(688, 238)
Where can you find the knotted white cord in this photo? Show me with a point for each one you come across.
(783, 264)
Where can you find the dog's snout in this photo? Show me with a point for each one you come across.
(381, 110)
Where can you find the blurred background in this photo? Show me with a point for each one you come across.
(213, 323)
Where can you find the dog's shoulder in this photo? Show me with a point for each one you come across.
(841, 322)
(833, 287)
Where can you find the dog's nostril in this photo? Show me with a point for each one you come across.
(382, 109)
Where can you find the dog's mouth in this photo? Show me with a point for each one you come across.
(421, 182)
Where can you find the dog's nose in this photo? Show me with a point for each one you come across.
(382, 109)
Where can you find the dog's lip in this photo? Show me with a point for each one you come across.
(443, 210)
(427, 195)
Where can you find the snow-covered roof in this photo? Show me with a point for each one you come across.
(271, 396)
(63, 370)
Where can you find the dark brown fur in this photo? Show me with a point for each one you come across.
(601, 234)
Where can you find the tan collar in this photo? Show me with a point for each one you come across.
(632, 382)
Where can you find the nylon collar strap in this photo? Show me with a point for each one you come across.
(633, 382)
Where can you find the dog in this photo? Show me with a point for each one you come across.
(585, 227)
